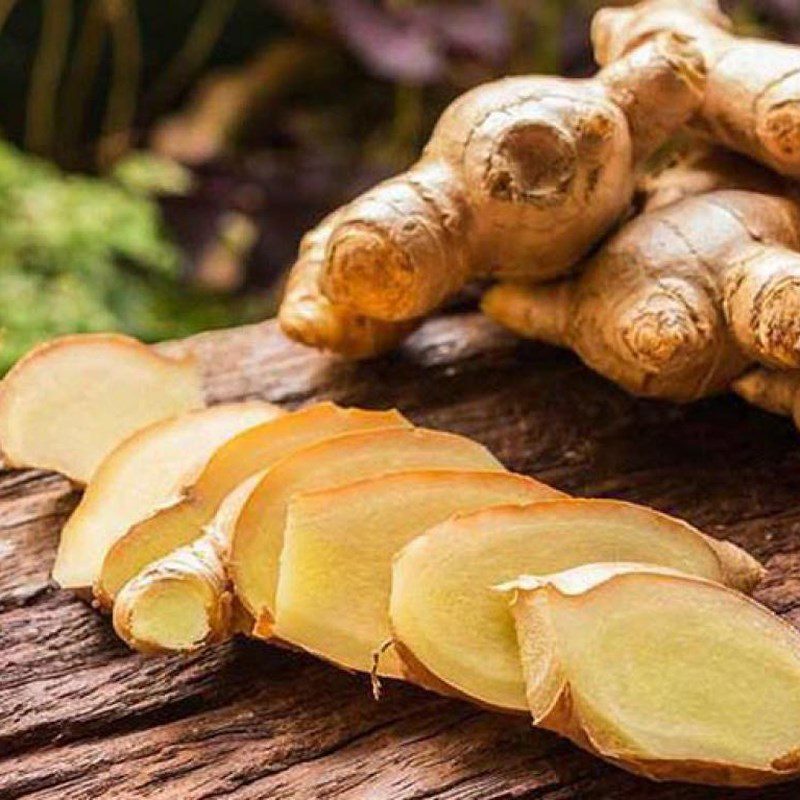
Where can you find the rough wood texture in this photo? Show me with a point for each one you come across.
(81, 717)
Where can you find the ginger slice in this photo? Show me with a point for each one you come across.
(335, 568)
(666, 675)
(182, 602)
(451, 628)
(71, 401)
(258, 537)
(144, 472)
(251, 451)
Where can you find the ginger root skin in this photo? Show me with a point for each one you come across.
(307, 316)
(681, 300)
(752, 98)
(666, 675)
(184, 601)
(520, 178)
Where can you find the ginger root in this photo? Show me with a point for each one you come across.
(183, 602)
(336, 565)
(69, 402)
(681, 300)
(452, 631)
(774, 391)
(520, 178)
(752, 97)
(664, 674)
(139, 476)
(258, 536)
(253, 450)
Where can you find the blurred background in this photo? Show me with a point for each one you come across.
(160, 159)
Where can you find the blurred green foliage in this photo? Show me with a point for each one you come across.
(82, 254)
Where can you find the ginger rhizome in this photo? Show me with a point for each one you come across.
(520, 178)
(69, 402)
(258, 535)
(146, 471)
(335, 568)
(681, 300)
(183, 601)
(772, 390)
(253, 450)
(664, 674)
(752, 97)
(454, 633)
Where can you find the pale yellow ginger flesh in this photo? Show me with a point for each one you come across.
(168, 617)
(335, 568)
(183, 601)
(146, 471)
(258, 537)
(251, 451)
(68, 403)
(521, 177)
(451, 627)
(664, 674)
(752, 98)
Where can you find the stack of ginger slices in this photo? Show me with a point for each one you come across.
(406, 553)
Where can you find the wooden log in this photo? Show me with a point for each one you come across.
(82, 717)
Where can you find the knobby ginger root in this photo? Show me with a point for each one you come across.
(251, 451)
(183, 601)
(698, 168)
(453, 631)
(752, 98)
(71, 401)
(146, 471)
(258, 536)
(666, 675)
(307, 316)
(778, 392)
(335, 568)
(681, 300)
(520, 178)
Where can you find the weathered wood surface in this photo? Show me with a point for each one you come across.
(81, 717)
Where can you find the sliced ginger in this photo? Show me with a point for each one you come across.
(251, 451)
(452, 629)
(143, 473)
(666, 675)
(182, 601)
(335, 568)
(258, 537)
(71, 401)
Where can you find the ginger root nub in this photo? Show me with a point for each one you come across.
(307, 316)
(762, 304)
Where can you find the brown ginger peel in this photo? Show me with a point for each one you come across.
(520, 178)
(683, 298)
(752, 99)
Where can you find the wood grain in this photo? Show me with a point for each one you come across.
(82, 717)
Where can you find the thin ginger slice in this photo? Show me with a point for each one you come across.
(255, 449)
(453, 631)
(258, 537)
(71, 401)
(664, 674)
(147, 470)
(336, 564)
(183, 602)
